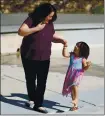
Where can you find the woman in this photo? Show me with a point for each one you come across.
(38, 33)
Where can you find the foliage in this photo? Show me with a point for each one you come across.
(64, 6)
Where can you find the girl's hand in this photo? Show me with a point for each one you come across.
(86, 64)
(40, 26)
(89, 63)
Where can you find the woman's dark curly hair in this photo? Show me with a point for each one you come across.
(84, 49)
(41, 12)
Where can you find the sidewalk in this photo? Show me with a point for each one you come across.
(14, 95)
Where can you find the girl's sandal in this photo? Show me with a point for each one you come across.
(73, 108)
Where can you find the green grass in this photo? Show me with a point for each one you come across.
(98, 10)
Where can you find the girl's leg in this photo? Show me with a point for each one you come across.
(72, 94)
(77, 95)
(74, 98)
(75, 91)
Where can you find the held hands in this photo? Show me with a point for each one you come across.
(65, 44)
(40, 26)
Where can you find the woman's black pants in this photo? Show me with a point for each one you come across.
(36, 70)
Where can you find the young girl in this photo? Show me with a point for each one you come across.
(78, 64)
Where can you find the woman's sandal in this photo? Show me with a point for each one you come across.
(73, 108)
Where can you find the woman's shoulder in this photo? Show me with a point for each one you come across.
(28, 21)
(51, 23)
(52, 27)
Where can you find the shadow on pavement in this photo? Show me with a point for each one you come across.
(20, 103)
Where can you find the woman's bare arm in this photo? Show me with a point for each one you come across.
(24, 30)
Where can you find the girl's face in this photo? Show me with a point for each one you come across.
(76, 50)
(49, 17)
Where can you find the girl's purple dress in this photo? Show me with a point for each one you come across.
(74, 74)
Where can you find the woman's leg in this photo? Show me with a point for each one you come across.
(42, 72)
(30, 76)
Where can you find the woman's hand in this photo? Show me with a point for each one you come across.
(40, 26)
(58, 39)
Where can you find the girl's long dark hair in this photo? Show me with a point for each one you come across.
(84, 49)
(42, 11)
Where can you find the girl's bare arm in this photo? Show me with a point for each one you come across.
(86, 64)
(65, 53)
